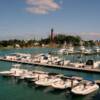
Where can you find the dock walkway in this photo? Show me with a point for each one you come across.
(97, 70)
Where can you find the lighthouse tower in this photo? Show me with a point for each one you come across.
(52, 38)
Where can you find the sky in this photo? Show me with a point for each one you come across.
(29, 19)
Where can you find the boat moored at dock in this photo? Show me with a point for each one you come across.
(85, 88)
(64, 83)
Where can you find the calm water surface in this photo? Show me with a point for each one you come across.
(11, 89)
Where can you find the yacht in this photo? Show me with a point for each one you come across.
(85, 88)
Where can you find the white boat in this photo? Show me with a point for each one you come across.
(16, 65)
(46, 59)
(46, 81)
(70, 49)
(27, 75)
(87, 51)
(18, 56)
(5, 73)
(15, 71)
(92, 64)
(96, 49)
(76, 64)
(42, 58)
(85, 88)
(82, 48)
(59, 84)
(35, 75)
(71, 82)
(62, 51)
(64, 83)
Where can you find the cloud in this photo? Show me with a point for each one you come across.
(88, 35)
(42, 6)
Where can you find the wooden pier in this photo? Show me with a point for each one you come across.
(97, 70)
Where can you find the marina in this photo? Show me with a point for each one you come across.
(77, 85)
(54, 89)
(82, 50)
(51, 61)
(50, 50)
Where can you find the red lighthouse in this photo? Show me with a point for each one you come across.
(52, 37)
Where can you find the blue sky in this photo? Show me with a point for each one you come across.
(26, 19)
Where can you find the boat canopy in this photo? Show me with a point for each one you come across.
(90, 62)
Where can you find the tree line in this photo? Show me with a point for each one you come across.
(58, 39)
(68, 39)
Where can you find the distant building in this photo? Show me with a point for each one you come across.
(17, 46)
(36, 44)
(97, 42)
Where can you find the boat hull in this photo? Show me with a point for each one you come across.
(85, 91)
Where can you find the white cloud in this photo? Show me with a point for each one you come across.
(42, 6)
(88, 35)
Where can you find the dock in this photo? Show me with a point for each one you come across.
(96, 70)
(97, 82)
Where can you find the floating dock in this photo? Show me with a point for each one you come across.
(95, 70)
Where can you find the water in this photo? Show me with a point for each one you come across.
(11, 89)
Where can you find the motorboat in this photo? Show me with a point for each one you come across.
(47, 81)
(62, 51)
(15, 71)
(27, 75)
(59, 84)
(42, 58)
(64, 83)
(92, 64)
(33, 75)
(69, 83)
(5, 73)
(87, 51)
(18, 56)
(85, 88)
(70, 49)
(82, 48)
(96, 49)
(76, 64)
